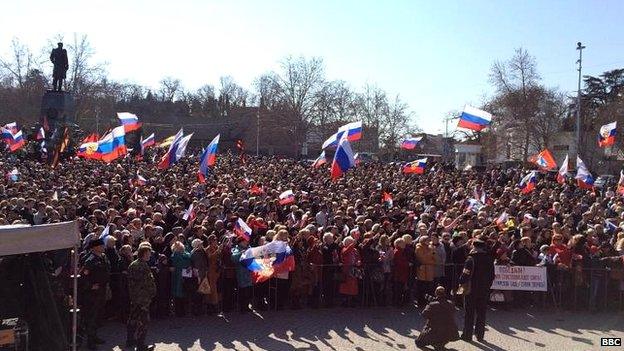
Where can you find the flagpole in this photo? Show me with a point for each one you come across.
(580, 48)
(258, 131)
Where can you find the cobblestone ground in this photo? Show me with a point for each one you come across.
(370, 329)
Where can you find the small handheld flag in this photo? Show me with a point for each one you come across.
(321, 160)
(189, 213)
(387, 199)
(242, 230)
(527, 183)
(620, 186)
(287, 197)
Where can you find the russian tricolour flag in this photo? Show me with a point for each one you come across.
(410, 143)
(321, 160)
(18, 141)
(169, 158)
(607, 134)
(287, 197)
(208, 158)
(112, 145)
(129, 121)
(527, 184)
(266, 260)
(352, 130)
(416, 167)
(343, 159)
(583, 178)
(474, 119)
(562, 174)
(242, 230)
(148, 142)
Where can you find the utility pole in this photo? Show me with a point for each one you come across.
(97, 120)
(580, 48)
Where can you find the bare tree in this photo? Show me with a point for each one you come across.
(170, 88)
(518, 96)
(20, 63)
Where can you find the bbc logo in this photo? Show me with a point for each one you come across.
(610, 342)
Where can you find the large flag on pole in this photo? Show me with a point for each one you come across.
(113, 145)
(410, 143)
(583, 178)
(562, 175)
(606, 137)
(474, 119)
(169, 158)
(352, 130)
(417, 167)
(545, 160)
(208, 158)
(343, 158)
(129, 121)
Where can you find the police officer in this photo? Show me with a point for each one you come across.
(96, 273)
(479, 271)
(142, 289)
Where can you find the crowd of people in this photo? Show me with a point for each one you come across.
(352, 245)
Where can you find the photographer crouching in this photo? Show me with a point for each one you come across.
(440, 327)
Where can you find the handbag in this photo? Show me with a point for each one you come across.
(464, 289)
(204, 287)
(497, 296)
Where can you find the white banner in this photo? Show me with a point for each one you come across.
(520, 278)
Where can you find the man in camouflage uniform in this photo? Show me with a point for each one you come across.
(96, 273)
(142, 289)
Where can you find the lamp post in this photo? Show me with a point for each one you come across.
(580, 48)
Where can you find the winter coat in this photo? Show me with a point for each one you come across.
(522, 257)
(480, 264)
(426, 257)
(243, 275)
(179, 261)
(199, 261)
(350, 259)
(400, 263)
(440, 327)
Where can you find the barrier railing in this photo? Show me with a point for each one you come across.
(326, 286)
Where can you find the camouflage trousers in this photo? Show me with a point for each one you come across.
(138, 319)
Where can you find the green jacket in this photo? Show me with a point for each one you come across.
(141, 283)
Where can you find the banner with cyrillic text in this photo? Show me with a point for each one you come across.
(520, 278)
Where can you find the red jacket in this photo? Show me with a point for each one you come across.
(400, 269)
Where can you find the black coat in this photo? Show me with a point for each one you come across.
(522, 257)
(480, 263)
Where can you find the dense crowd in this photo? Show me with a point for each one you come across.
(350, 246)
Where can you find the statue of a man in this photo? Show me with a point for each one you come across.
(61, 64)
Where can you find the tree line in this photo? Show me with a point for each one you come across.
(299, 88)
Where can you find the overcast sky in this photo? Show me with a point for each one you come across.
(435, 54)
